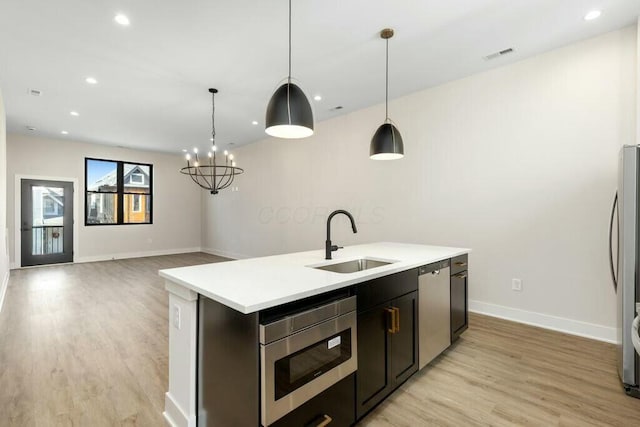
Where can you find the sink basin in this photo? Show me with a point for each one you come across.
(354, 265)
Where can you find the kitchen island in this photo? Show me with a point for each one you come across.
(216, 312)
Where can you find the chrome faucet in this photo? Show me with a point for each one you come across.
(328, 247)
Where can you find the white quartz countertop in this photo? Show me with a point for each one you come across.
(254, 284)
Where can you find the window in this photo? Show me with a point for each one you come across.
(136, 203)
(136, 178)
(118, 192)
(49, 206)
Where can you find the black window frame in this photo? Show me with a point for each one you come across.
(120, 193)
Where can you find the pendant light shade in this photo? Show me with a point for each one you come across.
(386, 143)
(289, 113)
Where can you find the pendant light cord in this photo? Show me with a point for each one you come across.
(213, 118)
(289, 80)
(386, 94)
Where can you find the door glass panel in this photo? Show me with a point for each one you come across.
(47, 220)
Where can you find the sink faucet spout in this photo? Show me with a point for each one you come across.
(328, 246)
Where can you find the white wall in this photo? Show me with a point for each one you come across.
(518, 163)
(176, 200)
(4, 255)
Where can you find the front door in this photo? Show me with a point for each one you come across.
(46, 222)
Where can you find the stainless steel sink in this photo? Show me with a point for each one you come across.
(353, 266)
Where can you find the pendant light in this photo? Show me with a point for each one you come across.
(289, 112)
(386, 143)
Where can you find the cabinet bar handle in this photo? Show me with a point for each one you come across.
(326, 420)
(391, 320)
(397, 316)
(460, 263)
(460, 276)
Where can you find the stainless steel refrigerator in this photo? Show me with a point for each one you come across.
(625, 271)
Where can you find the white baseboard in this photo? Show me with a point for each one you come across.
(125, 255)
(224, 254)
(3, 287)
(173, 414)
(560, 324)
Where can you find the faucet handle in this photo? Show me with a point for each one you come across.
(336, 247)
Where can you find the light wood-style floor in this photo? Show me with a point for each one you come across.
(87, 345)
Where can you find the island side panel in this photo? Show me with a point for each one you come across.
(180, 399)
(228, 366)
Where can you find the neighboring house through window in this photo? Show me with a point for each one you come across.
(118, 192)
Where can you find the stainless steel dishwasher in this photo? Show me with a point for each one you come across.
(434, 311)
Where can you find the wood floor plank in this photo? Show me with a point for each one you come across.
(87, 345)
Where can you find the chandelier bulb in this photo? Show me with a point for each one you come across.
(210, 154)
(230, 156)
(195, 150)
(214, 148)
(187, 156)
(226, 153)
(196, 164)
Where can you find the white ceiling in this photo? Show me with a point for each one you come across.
(153, 75)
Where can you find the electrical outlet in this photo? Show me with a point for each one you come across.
(176, 316)
(516, 284)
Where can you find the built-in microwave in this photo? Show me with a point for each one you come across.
(303, 354)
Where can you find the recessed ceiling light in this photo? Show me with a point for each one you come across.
(254, 122)
(74, 113)
(592, 15)
(211, 139)
(64, 132)
(31, 128)
(184, 150)
(91, 80)
(122, 19)
(317, 98)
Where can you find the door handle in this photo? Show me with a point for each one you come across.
(391, 319)
(25, 229)
(397, 318)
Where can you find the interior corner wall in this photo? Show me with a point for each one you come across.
(176, 202)
(518, 163)
(4, 250)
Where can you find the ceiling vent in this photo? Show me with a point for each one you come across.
(31, 128)
(35, 92)
(498, 54)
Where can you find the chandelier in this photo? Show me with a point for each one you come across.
(210, 174)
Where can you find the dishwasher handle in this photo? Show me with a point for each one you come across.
(434, 268)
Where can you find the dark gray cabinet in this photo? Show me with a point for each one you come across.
(387, 337)
(459, 296)
(332, 407)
